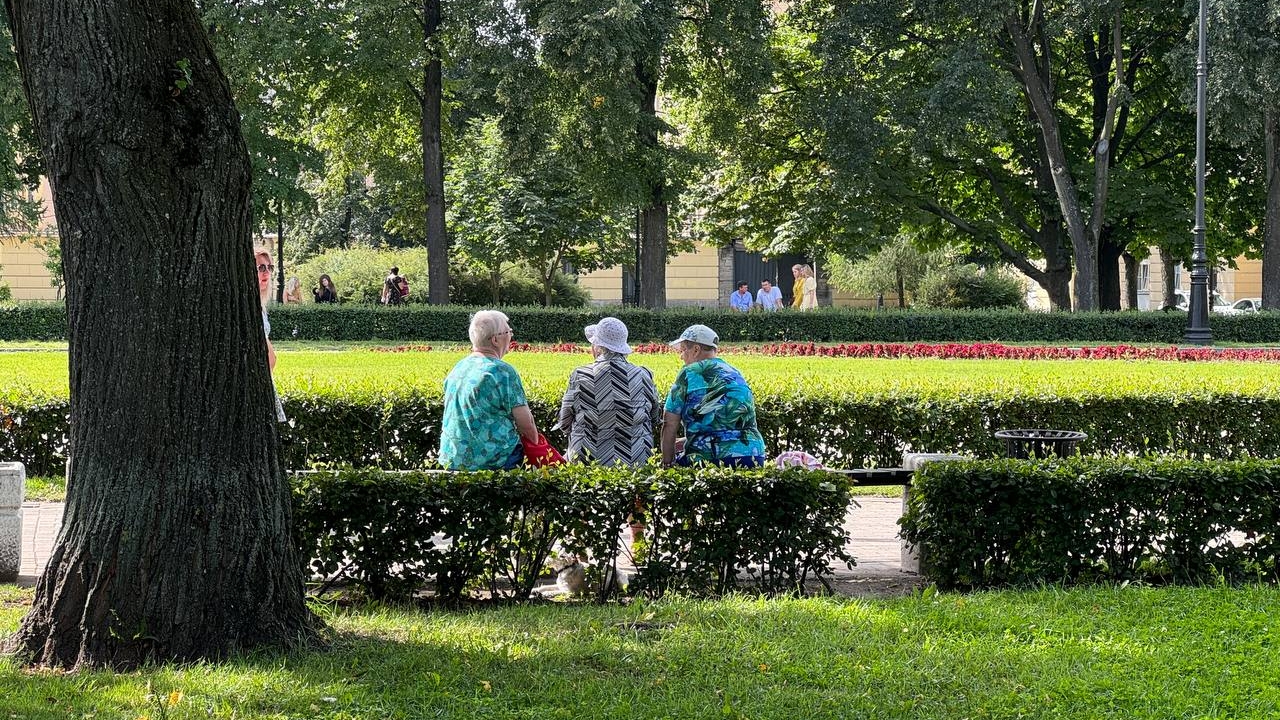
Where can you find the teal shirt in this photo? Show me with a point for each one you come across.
(718, 411)
(478, 432)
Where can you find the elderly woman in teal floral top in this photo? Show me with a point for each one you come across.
(711, 399)
(485, 410)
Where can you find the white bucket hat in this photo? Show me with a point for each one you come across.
(700, 334)
(610, 333)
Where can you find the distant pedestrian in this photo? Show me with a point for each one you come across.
(769, 297)
(740, 300)
(805, 291)
(395, 289)
(325, 292)
(293, 291)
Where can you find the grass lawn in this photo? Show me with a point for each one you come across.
(1094, 653)
(547, 374)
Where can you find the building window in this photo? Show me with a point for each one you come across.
(1144, 277)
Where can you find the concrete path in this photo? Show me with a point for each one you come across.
(873, 526)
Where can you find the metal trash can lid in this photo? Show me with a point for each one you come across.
(1032, 434)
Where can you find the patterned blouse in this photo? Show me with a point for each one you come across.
(718, 411)
(609, 412)
(477, 431)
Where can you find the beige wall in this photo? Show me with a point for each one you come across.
(692, 279)
(23, 269)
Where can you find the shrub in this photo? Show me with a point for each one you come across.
(427, 323)
(381, 530)
(968, 286)
(1009, 522)
(358, 273)
(398, 428)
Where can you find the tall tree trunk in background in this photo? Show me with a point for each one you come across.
(1109, 252)
(433, 158)
(653, 217)
(280, 252)
(1271, 223)
(176, 540)
(1168, 279)
(1130, 281)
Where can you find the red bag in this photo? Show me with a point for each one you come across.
(540, 453)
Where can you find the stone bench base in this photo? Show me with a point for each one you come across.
(13, 479)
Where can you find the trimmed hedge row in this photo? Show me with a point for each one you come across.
(400, 431)
(47, 321)
(1006, 522)
(393, 534)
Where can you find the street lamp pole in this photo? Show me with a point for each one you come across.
(1198, 332)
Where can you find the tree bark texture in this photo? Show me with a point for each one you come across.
(1168, 279)
(653, 216)
(1130, 281)
(1109, 252)
(433, 158)
(1083, 229)
(175, 542)
(1271, 223)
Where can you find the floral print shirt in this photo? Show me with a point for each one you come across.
(718, 411)
(478, 432)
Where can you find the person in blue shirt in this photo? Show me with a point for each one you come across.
(769, 297)
(710, 398)
(740, 300)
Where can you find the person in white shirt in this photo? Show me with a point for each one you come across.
(769, 297)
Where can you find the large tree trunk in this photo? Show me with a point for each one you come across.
(1130, 281)
(1271, 224)
(1168, 279)
(653, 217)
(175, 543)
(433, 159)
(1109, 253)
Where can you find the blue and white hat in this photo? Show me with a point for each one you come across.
(700, 334)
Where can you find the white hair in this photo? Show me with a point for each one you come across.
(484, 325)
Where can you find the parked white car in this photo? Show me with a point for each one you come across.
(1244, 306)
(1218, 305)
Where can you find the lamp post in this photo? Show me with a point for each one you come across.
(1198, 332)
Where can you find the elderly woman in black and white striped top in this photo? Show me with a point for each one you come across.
(611, 407)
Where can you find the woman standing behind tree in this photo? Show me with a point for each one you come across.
(262, 259)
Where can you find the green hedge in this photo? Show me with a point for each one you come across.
(392, 534)
(47, 321)
(400, 431)
(1006, 522)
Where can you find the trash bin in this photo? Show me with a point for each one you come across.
(1039, 443)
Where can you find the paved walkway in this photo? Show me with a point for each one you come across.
(873, 526)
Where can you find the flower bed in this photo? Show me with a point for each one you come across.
(946, 351)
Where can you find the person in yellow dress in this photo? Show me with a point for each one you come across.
(805, 289)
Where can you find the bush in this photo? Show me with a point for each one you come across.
(970, 287)
(1008, 522)
(398, 429)
(380, 530)
(428, 323)
(358, 274)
